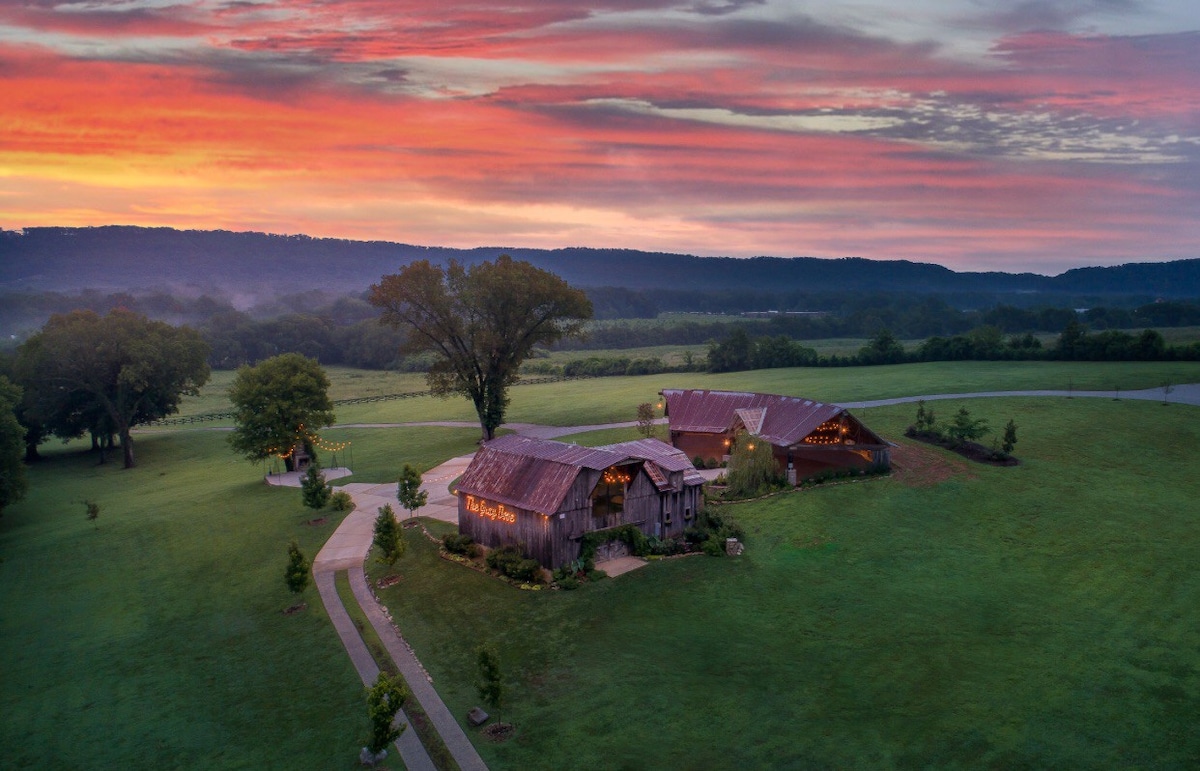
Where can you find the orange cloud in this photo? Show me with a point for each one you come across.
(561, 123)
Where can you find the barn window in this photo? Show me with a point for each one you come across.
(609, 495)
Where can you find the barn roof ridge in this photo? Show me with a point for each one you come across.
(781, 420)
(536, 474)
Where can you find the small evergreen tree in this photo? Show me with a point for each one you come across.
(490, 683)
(388, 537)
(752, 468)
(384, 700)
(1010, 437)
(925, 417)
(408, 490)
(313, 489)
(296, 574)
(964, 428)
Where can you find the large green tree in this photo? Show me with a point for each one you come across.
(481, 322)
(278, 403)
(110, 373)
(12, 444)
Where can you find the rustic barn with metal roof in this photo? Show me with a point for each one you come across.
(808, 437)
(544, 495)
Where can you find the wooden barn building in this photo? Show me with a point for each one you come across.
(544, 495)
(808, 437)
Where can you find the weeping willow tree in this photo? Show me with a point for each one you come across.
(752, 468)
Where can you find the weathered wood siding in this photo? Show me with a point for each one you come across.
(554, 540)
(705, 445)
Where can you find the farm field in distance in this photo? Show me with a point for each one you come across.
(1037, 616)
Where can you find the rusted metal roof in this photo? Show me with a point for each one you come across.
(536, 474)
(781, 420)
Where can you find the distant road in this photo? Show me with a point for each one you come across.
(1188, 393)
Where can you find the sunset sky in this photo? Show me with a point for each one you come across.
(1037, 135)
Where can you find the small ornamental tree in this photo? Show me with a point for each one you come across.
(964, 428)
(296, 574)
(384, 700)
(313, 489)
(925, 417)
(1010, 437)
(408, 490)
(490, 684)
(645, 419)
(752, 469)
(93, 510)
(388, 537)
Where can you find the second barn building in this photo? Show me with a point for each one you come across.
(543, 495)
(808, 437)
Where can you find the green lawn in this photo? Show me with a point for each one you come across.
(609, 399)
(1044, 616)
(155, 638)
(603, 400)
(1038, 616)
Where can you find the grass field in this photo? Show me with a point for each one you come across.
(1039, 616)
(155, 638)
(1043, 616)
(615, 399)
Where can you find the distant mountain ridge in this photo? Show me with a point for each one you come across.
(133, 258)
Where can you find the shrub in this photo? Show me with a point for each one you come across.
(313, 489)
(661, 546)
(341, 501)
(698, 462)
(629, 534)
(458, 543)
(511, 562)
(963, 428)
(569, 583)
(296, 574)
(712, 463)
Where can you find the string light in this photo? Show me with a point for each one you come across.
(614, 476)
(308, 438)
(829, 432)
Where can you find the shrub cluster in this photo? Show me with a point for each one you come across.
(461, 543)
(834, 474)
(510, 561)
(961, 432)
(710, 531)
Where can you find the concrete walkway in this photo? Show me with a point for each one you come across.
(409, 744)
(346, 550)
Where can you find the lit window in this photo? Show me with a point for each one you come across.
(609, 495)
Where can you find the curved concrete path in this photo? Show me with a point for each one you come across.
(346, 550)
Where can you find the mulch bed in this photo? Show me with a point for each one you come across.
(387, 581)
(498, 732)
(972, 451)
(317, 521)
(295, 609)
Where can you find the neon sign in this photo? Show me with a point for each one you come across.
(492, 511)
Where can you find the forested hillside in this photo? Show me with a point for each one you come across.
(249, 265)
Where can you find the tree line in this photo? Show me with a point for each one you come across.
(1074, 343)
